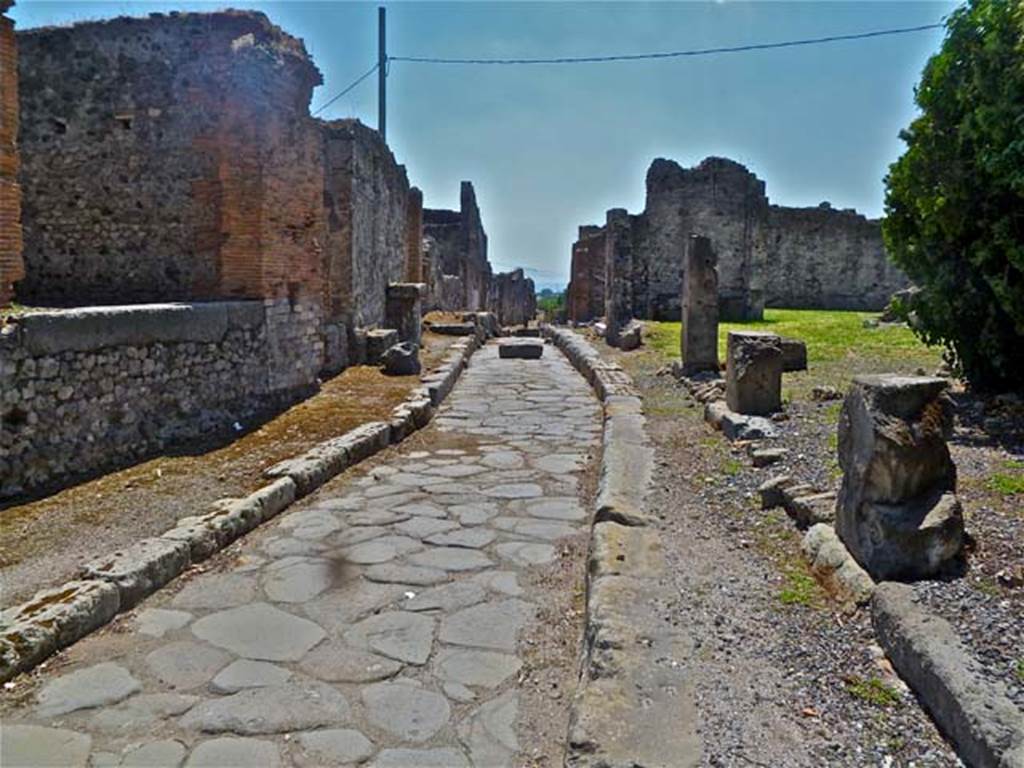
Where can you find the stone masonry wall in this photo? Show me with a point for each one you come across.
(585, 295)
(367, 196)
(513, 298)
(12, 267)
(767, 255)
(168, 158)
(457, 245)
(87, 390)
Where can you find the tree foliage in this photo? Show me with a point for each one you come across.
(955, 199)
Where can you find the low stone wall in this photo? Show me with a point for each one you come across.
(95, 388)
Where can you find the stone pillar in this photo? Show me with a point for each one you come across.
(753, 373)
(898, 513)
(403, 310)
(414, 237)
(699, 341)
(12, 268)
(618, 263)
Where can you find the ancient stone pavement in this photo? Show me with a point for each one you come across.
(377, 621)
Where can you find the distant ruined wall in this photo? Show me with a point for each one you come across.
(585, 295)
(456, 246)
(513, 298)
(367, 196)
(768, 255)
(12, 267)
(88, 390)
(825, 258)
(168, 158)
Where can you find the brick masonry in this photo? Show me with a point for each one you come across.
(12, 267)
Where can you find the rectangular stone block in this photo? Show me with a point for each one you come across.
(699, 339)
(140, 569)
(753, 374)
(794, 355)
(521, 349)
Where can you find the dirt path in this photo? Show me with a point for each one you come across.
(44, 542)
(783, 677)
(423, 610)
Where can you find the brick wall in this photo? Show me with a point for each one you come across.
(168, 157)
(11, 265)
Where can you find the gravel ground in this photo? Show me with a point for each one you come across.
(44, 542)
(785, 676)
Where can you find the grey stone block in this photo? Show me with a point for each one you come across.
(140, 569)
(834, 566)
(699, 339)
(520, 349)
(753, 374)
(794, 355)
(974, 712)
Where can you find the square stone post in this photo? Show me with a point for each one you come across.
(618, 273)
(403, 310)
(414, 237)
(699, 339)
(753, 373)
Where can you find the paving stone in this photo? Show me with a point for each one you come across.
(95, 686)
(549, 530)
(399, 635)
(489, 625)
(235, 753)
(450, 452)
(156, 622)
(272, 709)
(334, 746)
(421, 527)
(421, 758)
(447, 597)
(475, 513)
(526, 553)
(216, 591)
(285, 546)
(422, 509)
(245, 673)
(103, 760)
(471, 667)
(567, 508)
(405, 711)
(515, 491)
(157, 754)
(378, 491)
(458, 692)
(358, 534)
(336, 611)
(34, 746)
(142, 711)
(296, 580)
(504, 460)
(456, 471)
(490, 733)
(259, 631)
(451, 559)
(337, 663)
(376, 517)
(184, 665)
(505, 582)
(559, 463)
(473, 538)
(389, 573)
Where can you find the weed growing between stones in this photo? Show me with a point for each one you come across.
(873, 691)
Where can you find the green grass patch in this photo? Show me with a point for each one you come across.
(732, 467)
(799, 587)
(1009, 483)
(873, 691)
(1019, 669)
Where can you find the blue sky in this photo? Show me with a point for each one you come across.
(549, 148)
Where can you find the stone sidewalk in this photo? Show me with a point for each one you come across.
(377, 622)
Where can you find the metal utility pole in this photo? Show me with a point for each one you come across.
(382, 74)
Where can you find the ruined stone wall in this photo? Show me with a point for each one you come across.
(367, 196)
(12, 267)
(513, 298)
(168, 157)
(767, 255)
(825, 258)
(585, 294)
(87, 390)
(718, 199)
(457, 245)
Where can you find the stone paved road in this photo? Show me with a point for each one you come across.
(376, 623)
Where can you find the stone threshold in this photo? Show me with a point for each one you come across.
(630, 706)
(57, 617)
